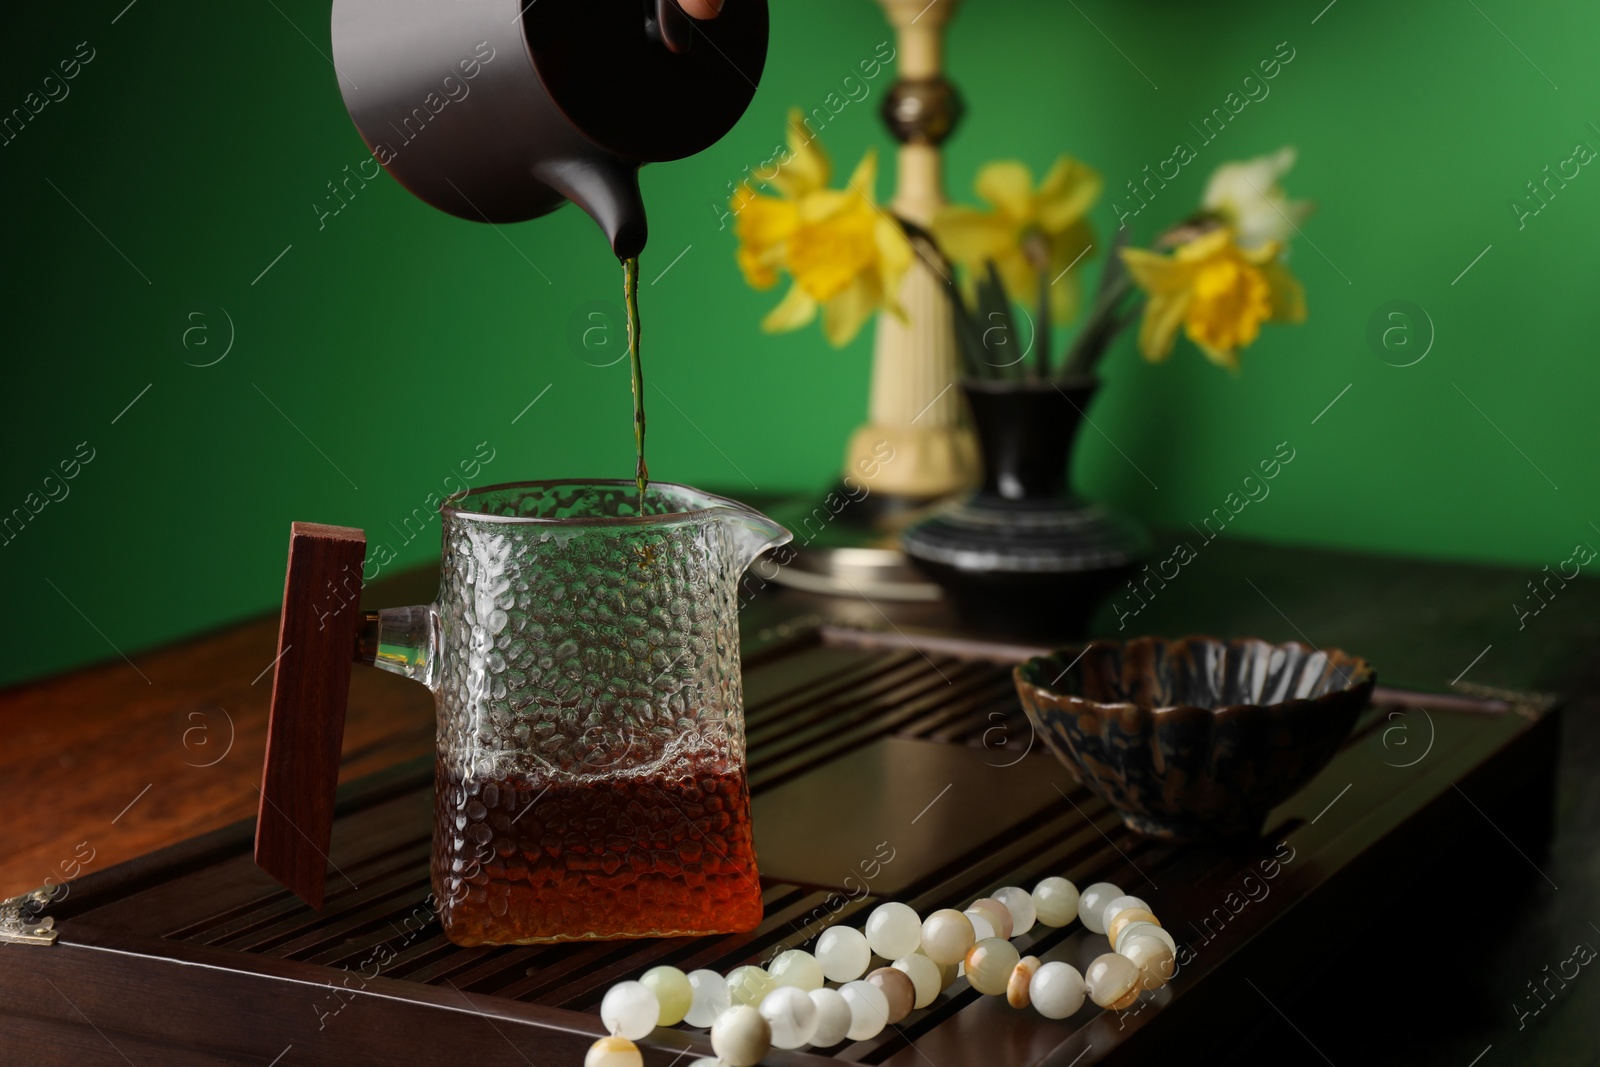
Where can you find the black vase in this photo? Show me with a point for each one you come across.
(1023, 556)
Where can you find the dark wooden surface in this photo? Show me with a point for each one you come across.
(888, 795)
(941, 729)
(100, 759)
(101, 764)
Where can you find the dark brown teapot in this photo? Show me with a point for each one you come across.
(502, 110)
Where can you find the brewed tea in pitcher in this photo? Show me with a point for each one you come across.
(663, 852)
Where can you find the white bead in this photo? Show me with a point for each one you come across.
(630, 1010)
(1143, 929)
(844, 953)
(673, 993)
(1152, 957)
(981, 928)
(1056, 990)
(706, 1061)
(796, 968)
(613, 1052)
(833, 1017)
(1118, 904)
(710, 998)
(924, 975)
(893, 930)
(946, 936)
(741, 1036)
(1055, 902)
(869, 1010)
(1092, 905)
(1112, 981)
(1019, 902)
(749, 985)
(791, 1015)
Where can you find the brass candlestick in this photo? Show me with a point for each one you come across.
(914, 404)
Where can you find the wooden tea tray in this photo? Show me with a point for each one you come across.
(862, 745)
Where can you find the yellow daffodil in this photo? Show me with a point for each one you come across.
(846, 255)
(1218, 291)
(1027, 231)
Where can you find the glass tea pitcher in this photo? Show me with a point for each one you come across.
(584, 659)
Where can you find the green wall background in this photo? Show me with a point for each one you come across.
(200, 137)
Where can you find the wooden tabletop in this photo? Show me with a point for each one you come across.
(119, 759)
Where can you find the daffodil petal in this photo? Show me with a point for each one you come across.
(1066, 194)
(1008, 185)
(1249, 196)
(821, 206)
(807, 167)
(894, 258)
(864, 181)
(1222, 357)
(766, 220)
(1166, 282)
(970, 237)
(1233, 181)
(1205, 246)
(1163, 314)
(764, 226)
(796, 310)
(1288, 295)
(1018, 276)
(760, 272)
(1154, 273)
(845, 314)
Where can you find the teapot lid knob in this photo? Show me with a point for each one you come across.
(317, 635)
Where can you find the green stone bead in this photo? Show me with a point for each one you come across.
(671, 987)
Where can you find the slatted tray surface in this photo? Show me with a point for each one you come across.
(372, 958)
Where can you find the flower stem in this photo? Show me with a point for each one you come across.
(1106, 321)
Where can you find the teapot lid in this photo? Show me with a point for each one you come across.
(612, 68)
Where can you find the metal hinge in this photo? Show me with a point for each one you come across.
(21, 921)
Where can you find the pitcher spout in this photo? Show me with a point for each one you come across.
(753, 534)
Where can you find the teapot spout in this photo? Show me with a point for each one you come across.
(608, 189)
(753, 534)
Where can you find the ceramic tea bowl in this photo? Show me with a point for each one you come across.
(1194, 738)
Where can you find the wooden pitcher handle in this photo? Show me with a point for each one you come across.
(317, 635)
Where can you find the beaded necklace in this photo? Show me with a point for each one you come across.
(789, 1004)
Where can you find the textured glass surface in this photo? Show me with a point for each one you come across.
(591, 764)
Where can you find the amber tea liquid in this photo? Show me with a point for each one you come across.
(646, 855)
